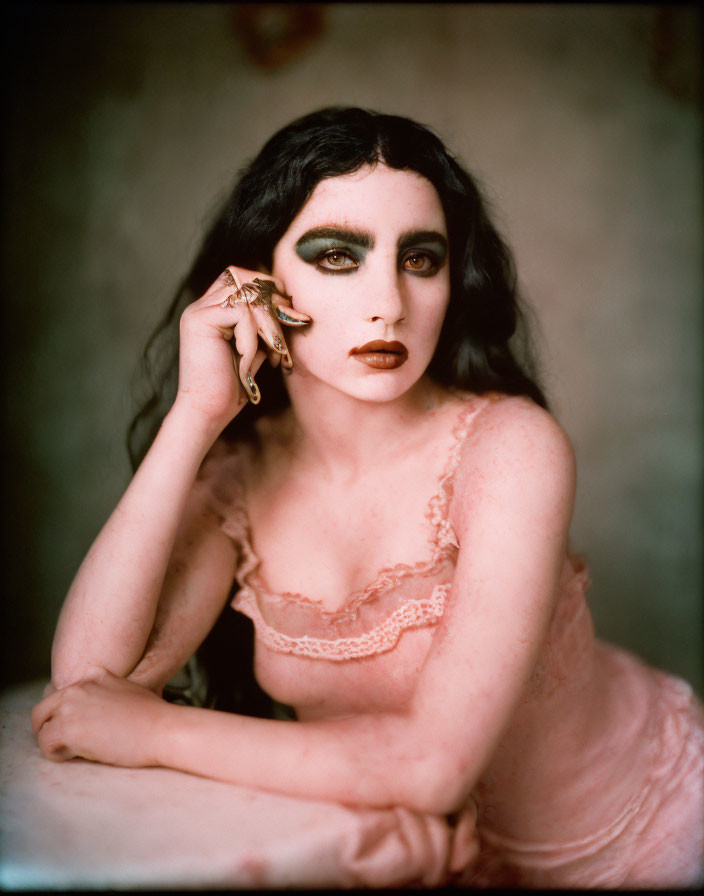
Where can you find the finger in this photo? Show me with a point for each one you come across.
(228, 291)
(228, 282)
(273, 357)
(279, 302)
(236, 278)
(257, 362)
(269, 329)
(44, 710)
(224, 280)
(58, 753)
(290, 316)
(223, 318)
(52, 745)
(259, 359)
(279, 288)
(232, 315)
(232, 278)
(244, 395)
(247, 345)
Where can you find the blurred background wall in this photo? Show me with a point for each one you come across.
(124, 123)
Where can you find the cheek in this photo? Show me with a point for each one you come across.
(431, 310)
(325, 299)
(332, 314)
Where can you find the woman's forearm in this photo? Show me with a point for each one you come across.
(109, 610)
(378, 760)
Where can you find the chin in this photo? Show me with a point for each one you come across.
(378, 387)
(382, 387)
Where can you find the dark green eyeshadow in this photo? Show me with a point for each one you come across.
(312, 247)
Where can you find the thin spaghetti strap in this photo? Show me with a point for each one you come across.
(221, 474)
(439, 505)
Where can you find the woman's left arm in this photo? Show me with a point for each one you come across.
(511, 513)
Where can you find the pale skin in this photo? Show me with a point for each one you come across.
(331, 483)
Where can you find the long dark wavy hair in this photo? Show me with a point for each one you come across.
(484, 344)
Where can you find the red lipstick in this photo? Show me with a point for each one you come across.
(381, 355)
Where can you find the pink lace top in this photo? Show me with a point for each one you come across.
(372, 619)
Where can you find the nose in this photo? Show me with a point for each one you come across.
(386, 301)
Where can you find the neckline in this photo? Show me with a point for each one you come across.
(440, 536)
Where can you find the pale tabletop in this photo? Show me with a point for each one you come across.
(81, 825)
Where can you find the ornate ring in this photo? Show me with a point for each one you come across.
(232, 300)
(231, 280)
(258, 292)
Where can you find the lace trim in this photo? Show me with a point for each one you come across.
(411, 614)
(442, 539)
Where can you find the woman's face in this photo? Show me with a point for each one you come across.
(367, 259)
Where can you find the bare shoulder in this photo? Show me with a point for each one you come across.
(516, 452)
(518, 428)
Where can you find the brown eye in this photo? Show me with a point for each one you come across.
(420, 263)
(337, 260)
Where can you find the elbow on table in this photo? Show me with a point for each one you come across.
(423, 771)
(436, 786)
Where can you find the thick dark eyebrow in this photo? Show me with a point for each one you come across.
(414, 237)
(366, 240)
(355, 237)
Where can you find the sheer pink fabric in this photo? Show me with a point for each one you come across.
(653, 837)
(372, 619)
(610, 750)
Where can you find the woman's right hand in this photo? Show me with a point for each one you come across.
(216, 378)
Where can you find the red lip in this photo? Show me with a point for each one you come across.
(378, 345)
(381, 355)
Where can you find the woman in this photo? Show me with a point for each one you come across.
(393, 514)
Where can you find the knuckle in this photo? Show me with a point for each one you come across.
(49, 742)
(53, 745)
(57, 753)
(96, 673)
(63, 709)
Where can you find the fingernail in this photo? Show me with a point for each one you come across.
(253, 389)
(286, 360)
(292, 321)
